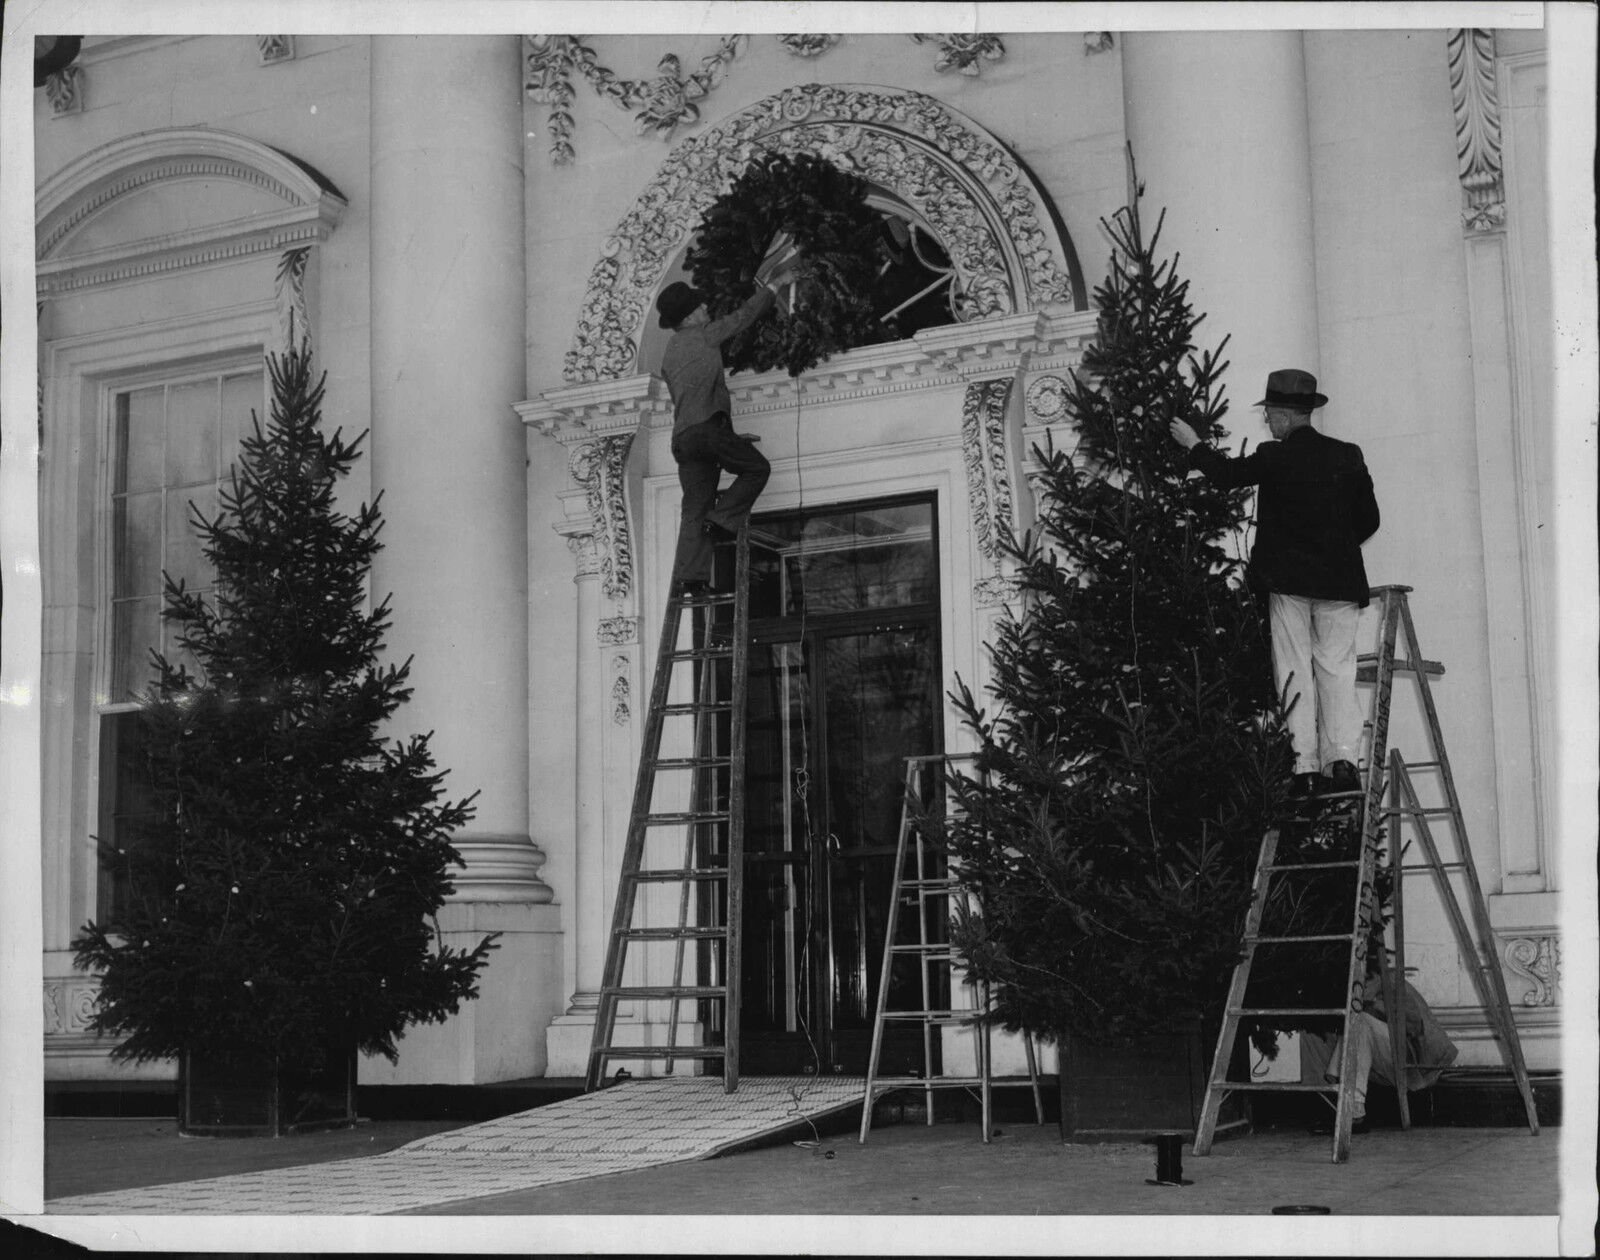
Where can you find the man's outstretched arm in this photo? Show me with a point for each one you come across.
(1225, 470)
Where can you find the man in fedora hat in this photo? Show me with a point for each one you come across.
(1315, 509)
(703, 441)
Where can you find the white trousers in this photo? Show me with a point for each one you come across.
(1374, 1057)
(1315, 640)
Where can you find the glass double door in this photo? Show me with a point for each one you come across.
(840, 692)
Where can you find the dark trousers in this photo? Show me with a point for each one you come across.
(704, 451)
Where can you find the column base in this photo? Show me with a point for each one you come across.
(500, 1035)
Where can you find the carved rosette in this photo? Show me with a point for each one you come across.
(1477, 115)
(65, 90)
(994, 592)
(1047, 399)
(599, 467)
(616, 631)
(68, 1007)
(910, 144)
(983, 451)
(1537, 960)
(1097, 42)
(621, 692)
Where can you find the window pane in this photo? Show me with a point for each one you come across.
(145, 457)
(125, 795)
(184, 559)
(192, 433)
(240, 394)
(135, 623)
(136, 546)
(842, 561)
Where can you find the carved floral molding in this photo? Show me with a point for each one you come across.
(1477, 116)
(983, 451)
(275, 48)
(959, 179)
(964, 54)
(660, 105)
(599, 467)
(68, 1007)
(289, 294)
(808, 45)
(65, 91)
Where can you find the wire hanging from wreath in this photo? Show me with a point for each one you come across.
(830, 246)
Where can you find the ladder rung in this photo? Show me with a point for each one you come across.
(1423, 765)
(687, 816)
(660, 1052)
(1367, 666)
(1287, 1010)
(935, 1082)
(692, 763)
(930, 949)
(1279, 1086)
(1430, 866)
(674, 933)
(677, 874)
(1294, 940)
(667, 991)
(691, 708)
(1313, 866)
(701, 653)
(930, 885)
(961, 1017)
(1407, 811)
(709, 599)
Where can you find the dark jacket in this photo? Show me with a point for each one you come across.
(1314, 510)
(692, 363)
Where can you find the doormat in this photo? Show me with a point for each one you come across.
(623, 1128)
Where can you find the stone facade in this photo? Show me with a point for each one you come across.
(1364, 204)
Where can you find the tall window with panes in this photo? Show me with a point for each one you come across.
(172, 443)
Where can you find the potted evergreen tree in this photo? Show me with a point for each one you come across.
(280, 890)
(1135, 751)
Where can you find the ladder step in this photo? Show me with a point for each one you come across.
(667, 875)
(666, 991)
(1297, 940)
(1423, 765)
(941, 1017)
(1367, 666)
(718, 653)
(1286, 1010)
(660, 1052)
(686, 816)
(693, 763)
(1285, 1087)
(929, 885)
(706, 599)
(690, 708)
(1313, 866)
(932, 950)
(1429, 866)
(675, 933)
(1405, 811)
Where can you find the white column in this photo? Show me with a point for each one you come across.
(448, 455)
(447, 447)
(1220, 137)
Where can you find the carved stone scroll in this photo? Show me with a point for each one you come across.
(1537, 960)
(1477, 114)
(65, 90)
(599, 467)
(275, 48)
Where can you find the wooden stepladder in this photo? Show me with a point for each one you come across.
(931, 888)
(1383, 768)
(707, 870)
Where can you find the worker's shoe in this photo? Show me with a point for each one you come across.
(1307, 785)
(1342, 775)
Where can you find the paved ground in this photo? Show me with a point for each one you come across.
(905, 1170)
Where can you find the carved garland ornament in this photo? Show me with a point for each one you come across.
(598, 467)
(983, 451)
(64, 90)
(1477, 112)
(808, 45)
(964, 53)
(275, 48)
(905, 142)
(289, 292)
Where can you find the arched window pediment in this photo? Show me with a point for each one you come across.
(163, 200)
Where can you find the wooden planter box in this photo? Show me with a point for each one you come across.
(250, 1094)
(1133, 1090)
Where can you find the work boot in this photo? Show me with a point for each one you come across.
(1343, 776)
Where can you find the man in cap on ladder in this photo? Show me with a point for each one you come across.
(703, 441)
(1315, 509)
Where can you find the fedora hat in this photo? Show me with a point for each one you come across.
(1290, 387)
(677, 302)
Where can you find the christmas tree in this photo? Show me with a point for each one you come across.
(280, 892)
(1135, 753)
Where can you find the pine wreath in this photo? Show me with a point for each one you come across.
(823, 212)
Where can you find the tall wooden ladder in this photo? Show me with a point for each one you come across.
(1373, 818)
(711, 669)
(932, 889)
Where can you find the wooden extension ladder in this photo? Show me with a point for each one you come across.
(712, 827)
(931, 887)
(1476, 942)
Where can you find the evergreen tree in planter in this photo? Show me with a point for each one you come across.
(1136, 752)
(280, 893)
